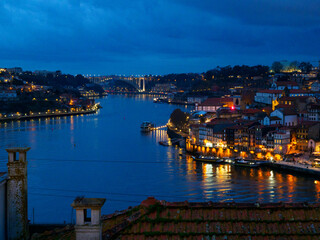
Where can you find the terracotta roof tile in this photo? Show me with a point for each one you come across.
(216, 101)
(208, 220)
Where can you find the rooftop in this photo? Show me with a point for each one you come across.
(290, 83)
(251, 111)
(81, 202)
(216, 101)
(155, 219)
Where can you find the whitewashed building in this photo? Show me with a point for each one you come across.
(287, 115)
(281, 141)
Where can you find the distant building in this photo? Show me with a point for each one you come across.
(271, 120)
(46, 72)
(282, 140)
(196, 99)
(213, 104)
(267, 96)
(287, 116)
(8, 95)
(282, 85)
(315, 86)
(16, 70)
(164, 87)
(305, 131)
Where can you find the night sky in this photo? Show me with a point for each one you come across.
(156, 36)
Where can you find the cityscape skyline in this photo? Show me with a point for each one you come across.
(148, 37)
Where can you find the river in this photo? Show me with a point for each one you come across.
(106, 155)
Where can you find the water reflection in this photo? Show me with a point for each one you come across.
(132, 162)
(230, 183)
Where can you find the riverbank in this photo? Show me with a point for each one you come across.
(295, 167)
(175, 102)
(46, 115)
(97, 150)
(138, 93)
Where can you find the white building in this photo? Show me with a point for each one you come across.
(271, 120)
(282, 85)
(287, 115)
(267, 96)
(281, 141)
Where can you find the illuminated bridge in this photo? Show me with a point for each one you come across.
(139, 83)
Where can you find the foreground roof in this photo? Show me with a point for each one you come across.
(155, 219)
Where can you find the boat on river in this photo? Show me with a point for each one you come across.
(211, 159)
(246, 163)
(228, 160)
(147, 126)
(165, 143)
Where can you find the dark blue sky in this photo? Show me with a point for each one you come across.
(155, 36)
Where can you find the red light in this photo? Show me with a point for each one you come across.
(232, 108)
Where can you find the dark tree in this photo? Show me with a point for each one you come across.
(277, 67)
(294, 65)
(305, 67)
(179, 119)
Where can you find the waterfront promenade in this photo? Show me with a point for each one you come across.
(47, 115)
(296, 167)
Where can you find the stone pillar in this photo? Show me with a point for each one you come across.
(139, 83)
(17, 195)
(143, 84)
(88, 227)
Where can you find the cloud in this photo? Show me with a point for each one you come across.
(107, 35)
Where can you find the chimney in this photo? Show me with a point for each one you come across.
(88, 226)
(17, 196)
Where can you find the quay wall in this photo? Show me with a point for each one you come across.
(298, 168)
(7, 119)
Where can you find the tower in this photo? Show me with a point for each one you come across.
(17, 196)
(88, 227)
(143, 84)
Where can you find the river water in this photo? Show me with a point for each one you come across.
(106, 155)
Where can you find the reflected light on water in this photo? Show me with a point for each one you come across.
(108, 137)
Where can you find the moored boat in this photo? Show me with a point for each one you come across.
(228, 160)
(164, 143)
(147, 126)
(246, 163)
(210, 159)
